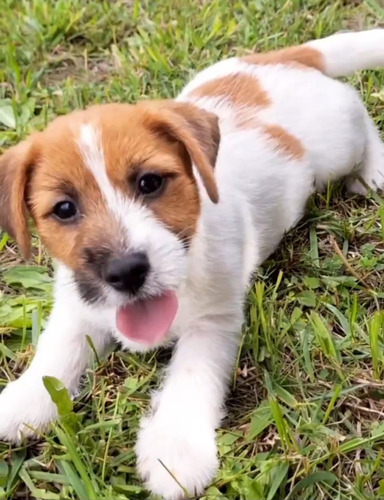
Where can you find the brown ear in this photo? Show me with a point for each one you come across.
(197, 130)
(14, 167)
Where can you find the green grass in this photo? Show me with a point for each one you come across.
(306, 411)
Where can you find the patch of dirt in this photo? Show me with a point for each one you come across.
(81, 67)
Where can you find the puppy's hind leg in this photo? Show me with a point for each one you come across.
(371, 169)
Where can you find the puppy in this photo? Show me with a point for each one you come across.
(158, 214)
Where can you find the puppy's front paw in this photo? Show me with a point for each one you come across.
(25, 408)
(175, 457)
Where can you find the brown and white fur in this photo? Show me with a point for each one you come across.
(238, 154)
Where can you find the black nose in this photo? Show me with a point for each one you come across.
(127, 273)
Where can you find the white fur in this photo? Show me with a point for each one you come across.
(262, 194)
(345, 53)
(91, 148)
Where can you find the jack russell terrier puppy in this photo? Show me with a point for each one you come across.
(158, 214)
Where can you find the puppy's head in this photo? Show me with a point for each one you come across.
(113, 194)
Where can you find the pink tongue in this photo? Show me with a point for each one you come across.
(148, 321)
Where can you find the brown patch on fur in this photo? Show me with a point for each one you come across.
(201, 124)
(239, 88)
(167, 137)
(181, 210)
(15, 167)
(247, 120)
(300, 56)
(285, 141)
(179, 130)
(60, 174)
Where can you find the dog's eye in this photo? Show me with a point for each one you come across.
(65, 210)
(150, 184)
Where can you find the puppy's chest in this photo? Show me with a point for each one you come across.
(191, 308)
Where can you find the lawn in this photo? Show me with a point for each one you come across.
(306, 411)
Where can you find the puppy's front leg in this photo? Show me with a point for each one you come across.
(62, 352)
(178, 438)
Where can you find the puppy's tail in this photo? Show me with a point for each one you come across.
(338, 55)
(344, 53)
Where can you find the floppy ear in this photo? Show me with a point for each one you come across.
(197, 130)
(14, 168)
